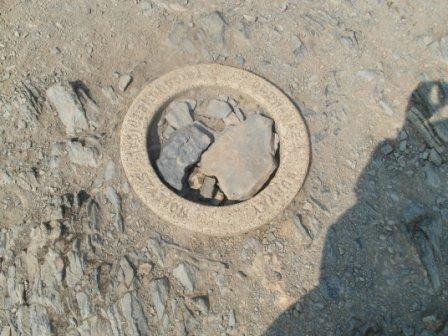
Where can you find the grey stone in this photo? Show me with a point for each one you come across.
(156, 248)
(136, 322)
(403, 145)
(83, 155)
(119, 222)
(159, 290)
(433, 177)
(109, 171)
(124, 82)
(114, 198)
(127, 272)
(181, 151)
(299, 49)
(208, 187)
(75, 268)
(90, 107)
(178, 115)
(232, 320)
(63, 97)
(435, 157)
(52, 270)
(213, 26)
(241, 158)
(84, 304)
(387, 149)
(185, 274)
(15, 287)
(39, 321)
(168, 131)
(94, 215)
(218, 109)
(23, 320)
(28, 102)
(115, 320)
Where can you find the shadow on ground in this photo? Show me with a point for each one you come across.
(384, 269)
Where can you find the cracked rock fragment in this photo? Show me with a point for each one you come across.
(159, 291)
(75, 268)
(63, 97)
(183, 149)
(178, 115)
(134, 315)
(184, 273)
(218, 109)
(241, 158)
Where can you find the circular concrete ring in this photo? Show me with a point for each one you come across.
(215, 220)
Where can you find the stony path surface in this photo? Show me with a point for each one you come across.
(363, 248)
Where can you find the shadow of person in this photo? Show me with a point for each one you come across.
(384, 269)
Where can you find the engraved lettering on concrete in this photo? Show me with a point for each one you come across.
(225, 220)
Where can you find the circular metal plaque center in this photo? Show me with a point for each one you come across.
(227, 220)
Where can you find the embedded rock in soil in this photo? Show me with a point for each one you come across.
(242, 158)
(183, 149)
(69, 108)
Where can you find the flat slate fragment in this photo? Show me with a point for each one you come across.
(178, 115)
(183, 149)
(242, 157)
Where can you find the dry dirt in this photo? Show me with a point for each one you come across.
(362, 249)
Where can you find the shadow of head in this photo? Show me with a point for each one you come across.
(382, 263)
(428, 112)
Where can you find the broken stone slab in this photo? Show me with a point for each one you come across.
(241, 158)
(64, 98)
(178, 115)
(218, 109)
(182, 150)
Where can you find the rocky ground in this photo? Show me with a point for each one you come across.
(362, 250)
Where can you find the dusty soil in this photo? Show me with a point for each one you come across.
(362, 250)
